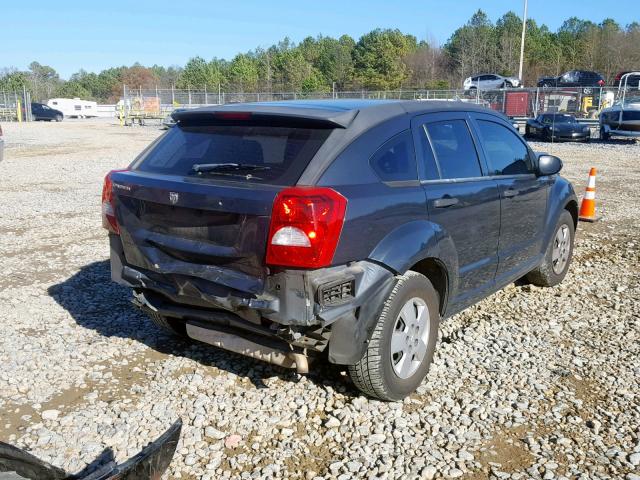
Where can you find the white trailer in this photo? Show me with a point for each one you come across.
(74, 107)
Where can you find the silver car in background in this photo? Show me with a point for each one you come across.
(490, 81)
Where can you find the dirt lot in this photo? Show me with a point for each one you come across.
(531, 383)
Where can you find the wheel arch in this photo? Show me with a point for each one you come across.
(423, 247)
(561, 198)
(436, 271)
(572, 208)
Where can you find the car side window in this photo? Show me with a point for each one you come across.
(507, 154)
(395, 160)
(454, 150)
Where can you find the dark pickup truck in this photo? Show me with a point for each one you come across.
(342, 229)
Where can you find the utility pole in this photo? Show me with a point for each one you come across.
(524, 29)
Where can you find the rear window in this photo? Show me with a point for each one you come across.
(262, 154)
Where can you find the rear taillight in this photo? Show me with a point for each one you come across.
(305, 227)
(108, 204)
(601, 83)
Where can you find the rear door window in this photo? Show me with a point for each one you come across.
(506, 153)
(263, 154)
(395, 160)
(454, 149)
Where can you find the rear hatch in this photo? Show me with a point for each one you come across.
(194, 208)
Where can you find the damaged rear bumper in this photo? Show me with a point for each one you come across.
(150, 462)
(298, 311)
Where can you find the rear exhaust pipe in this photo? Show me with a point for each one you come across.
(234, 343)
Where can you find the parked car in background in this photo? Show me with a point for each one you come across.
(633, 81)
(345, 228)
(574, 78)
(39, 111)
(1, 145)
(621, 120)
(489, 81)
(557, 126)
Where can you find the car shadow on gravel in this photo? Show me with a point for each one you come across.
(97, 303)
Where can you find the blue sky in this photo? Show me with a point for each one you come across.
(95, 34)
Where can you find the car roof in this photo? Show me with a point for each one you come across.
(339, 112)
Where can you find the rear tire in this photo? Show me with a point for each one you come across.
(401, 347)
(604, 135)
(170, 325)
(557, 258)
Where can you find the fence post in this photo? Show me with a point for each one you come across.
(219, 96)
(535, 106)
(189, 89)
(600, 99)
(29, 112)
(206, 99)
(504, 101)
(18, 108)
(173, 95)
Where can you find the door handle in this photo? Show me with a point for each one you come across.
(510, 192)
(445, 202)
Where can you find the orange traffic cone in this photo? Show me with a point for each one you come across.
(588, 205)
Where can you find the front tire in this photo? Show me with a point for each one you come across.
(557, 258)
(58, 118)
(604, 135)
(401, 347)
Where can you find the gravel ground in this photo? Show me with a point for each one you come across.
(530, 383)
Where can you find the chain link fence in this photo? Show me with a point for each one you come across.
(584, 102)
(12, 106)
(140, 104)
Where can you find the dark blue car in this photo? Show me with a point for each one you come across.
(345, 229)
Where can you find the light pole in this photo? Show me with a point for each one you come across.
(524, 29)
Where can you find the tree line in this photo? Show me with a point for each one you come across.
(383, 59)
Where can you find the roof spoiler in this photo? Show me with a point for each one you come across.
(262, 115)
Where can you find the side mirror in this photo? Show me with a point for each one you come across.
(548, 165)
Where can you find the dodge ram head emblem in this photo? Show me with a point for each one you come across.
(173, 197)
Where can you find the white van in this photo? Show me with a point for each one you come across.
(74, 107)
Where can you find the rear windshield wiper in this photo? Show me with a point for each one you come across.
(200, 168)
